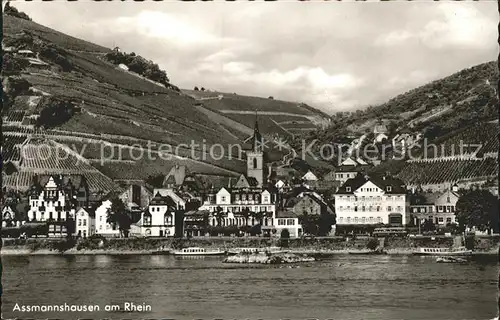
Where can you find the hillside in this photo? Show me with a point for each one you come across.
(76, 93)
(435, 109)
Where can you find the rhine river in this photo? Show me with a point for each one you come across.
(342, 287)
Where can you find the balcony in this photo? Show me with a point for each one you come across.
(41, 208)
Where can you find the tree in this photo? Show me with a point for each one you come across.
(219, 214)
(118, 215)
(428, 226)
(202, 89)
(325, 223)
(196, 89)
(246, 214)
(309, 223)
(477, 208)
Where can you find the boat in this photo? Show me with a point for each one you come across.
(367, 252)
(459, 251)
(163, 250)
(450, 260)
(196, 251)
(273, 250)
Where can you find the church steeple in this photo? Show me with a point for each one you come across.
(257, 137)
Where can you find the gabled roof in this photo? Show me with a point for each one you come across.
(396, 185)
(63, 181)
(176, 175)
(159, 200)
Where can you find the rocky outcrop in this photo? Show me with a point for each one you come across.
(263, 258)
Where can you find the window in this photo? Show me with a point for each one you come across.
(290, 222)
(440, 219)
(448, 199)
(398, 208)
(223, 199)
(348, 219)
(255, 163)
(250, 197)
(84, 222)
(266, 199)
(363, 220)
(356, 219)
(379, 219)
(431, 209)
(448, 220)
(348, 189)
(341, 218)
(363, 208)
(389, 188)
(237, 197)
(79, 221)
(378, 208)
(243, 197)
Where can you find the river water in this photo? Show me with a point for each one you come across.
(342, 287)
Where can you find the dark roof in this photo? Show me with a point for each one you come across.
(350, 168)
(159, 200)
(396, 185)
(62, 181)
(285, 214)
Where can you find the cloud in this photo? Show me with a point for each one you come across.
(334, 57)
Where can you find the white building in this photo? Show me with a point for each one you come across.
(234, 204)
(309, 176)
(367, 201)
(286, 220)
(159, 219)
(85, 222)
(103, 227)
(49, 201)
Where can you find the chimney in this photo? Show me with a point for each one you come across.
(454, 188)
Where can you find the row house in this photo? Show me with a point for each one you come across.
(438, 207)
(239, 207)
(284, 219)
(159, 219)
(55, 198)
(366, 200)
(85, 222)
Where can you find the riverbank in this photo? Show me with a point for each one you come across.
(145, 246)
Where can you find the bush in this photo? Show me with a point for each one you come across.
(56, 55)
(11, 11)
(372, 244)
(55, 112)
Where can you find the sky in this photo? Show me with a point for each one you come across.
(335, 56)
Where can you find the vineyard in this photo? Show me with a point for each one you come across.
(441, 171)
(15, 116)
(11, 147)
(481, 138)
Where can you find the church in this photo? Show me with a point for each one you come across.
(249, 195)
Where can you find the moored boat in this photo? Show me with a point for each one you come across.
(460, 251)
(367, 252)
(450, 260)
(196, 251)
(163, 250)
(273, 250)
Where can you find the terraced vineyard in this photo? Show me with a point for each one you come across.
(46, 157)
(11, 147)
(481, 138)
(447, 171)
